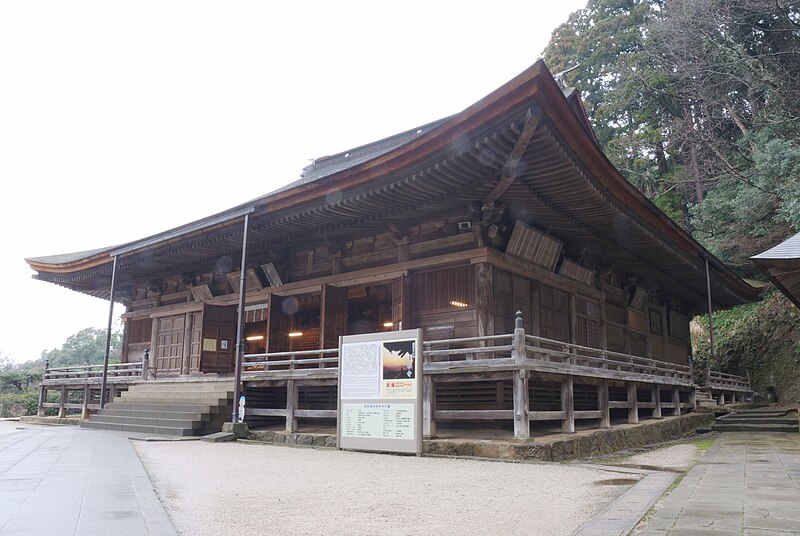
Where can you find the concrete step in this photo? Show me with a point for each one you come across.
(141, 429)
(200, 395)
(166, 422)
(184, 415)
(169, 407)
(763, 414)
(762, 427)
(733, 419)
(194, 387)
(184, 401)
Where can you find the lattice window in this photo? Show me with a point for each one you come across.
(448, 288)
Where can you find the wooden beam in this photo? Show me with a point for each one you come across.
(509, 172)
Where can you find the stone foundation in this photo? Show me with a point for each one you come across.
(581, 445)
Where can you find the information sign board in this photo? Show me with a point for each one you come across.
(380, 392)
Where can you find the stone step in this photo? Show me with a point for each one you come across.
(733, 419)
(184, 401)
(762, 427)
(194, 387)
(166, 422)
(141, 429)
(761, 413)
(163, 393)
(184, 415)
(170, 407)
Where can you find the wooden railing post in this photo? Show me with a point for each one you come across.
(522, 425)
(633, 404)
(655, 397)
(291, 405)
(676, 399)
(428, 405)
(87, 393)
(602, 404)
(568, 406)
(145, 363)
(43, 389)
(62, 410)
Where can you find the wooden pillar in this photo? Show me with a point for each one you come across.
(573, 319)
(153, 357)
(693, 398)
(676, 399)
(522, 424)
(428, 406)
(603, 325)
(567, 406)
(655, 397)
(87, 395)
(602, 405)
(186, 358)
(721, 399)
(484, 298)
(633, 404)
(291, 404)
(42, 400)
(62, 410)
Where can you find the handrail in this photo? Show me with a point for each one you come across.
(92, 371)
(256, 363)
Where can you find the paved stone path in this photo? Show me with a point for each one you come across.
(745, 484)
(72, 481)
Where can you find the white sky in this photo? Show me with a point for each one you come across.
(119, 120)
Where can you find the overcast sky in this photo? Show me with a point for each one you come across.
(119, 120)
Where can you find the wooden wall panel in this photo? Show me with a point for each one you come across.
(554, 313)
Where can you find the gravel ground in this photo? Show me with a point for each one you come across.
(676, 457)
(246, 488)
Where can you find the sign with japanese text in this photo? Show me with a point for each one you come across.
(380, 392)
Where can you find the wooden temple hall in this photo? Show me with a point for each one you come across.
(549, 290)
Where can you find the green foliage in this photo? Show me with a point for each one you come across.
(87, 346)
(742, 217)
(761, 340)
(19, 381)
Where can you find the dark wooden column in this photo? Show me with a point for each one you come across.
(428, 406)
(676, 399)
(484, 298)
(291, 405)
(602, 404)
(633, 404)
(656, 399)
(567, 406)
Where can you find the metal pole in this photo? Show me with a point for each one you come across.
(108, 334)
(240, 323)
(710, 320)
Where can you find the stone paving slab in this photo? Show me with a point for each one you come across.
(623, 514)
(66, 480)
(746, 483)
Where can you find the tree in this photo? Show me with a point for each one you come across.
(624, 89)
(84, 347)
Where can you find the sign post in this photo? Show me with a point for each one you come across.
(380, 392)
